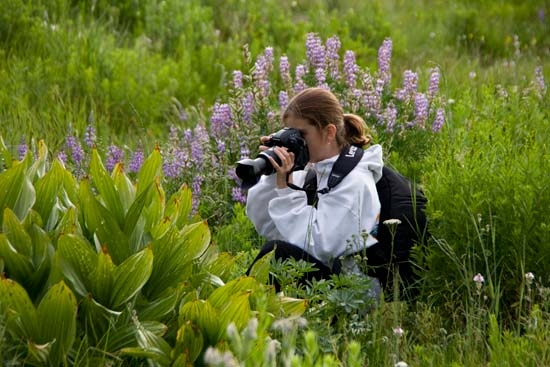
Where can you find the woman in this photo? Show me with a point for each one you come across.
(343, 220)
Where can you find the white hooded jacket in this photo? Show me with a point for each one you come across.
(344, 218)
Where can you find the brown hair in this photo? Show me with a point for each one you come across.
(321, 107)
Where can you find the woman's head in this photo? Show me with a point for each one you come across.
(318, 115)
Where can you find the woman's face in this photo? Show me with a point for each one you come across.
(320, 142)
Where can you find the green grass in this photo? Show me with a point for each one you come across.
(132, 68)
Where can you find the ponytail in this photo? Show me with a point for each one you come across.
(354, 131)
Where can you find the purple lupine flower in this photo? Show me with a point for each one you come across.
(114, 155)
(384, 59)
(75, 148)
(350, 69)
(320, 75)
(221, 120)
(247, 103)
(22, 149)
(245, 152)
(262, 68)
(284, 70)
(315, 51)
(90, 136)
(200, 137)
(137, 161)
(283, 100)
(439, 120)
(188, 135)
(539, 80)
(300, 72)
(171, 169)
(62, 156)
(237, 195)
(220, 144)
(410, 85)
(434, 83)
(237, 79)
(390, 117)
(421, 106)
(333, 58)
(173, 135)
(196, 189)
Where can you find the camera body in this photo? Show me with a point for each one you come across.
(250, 170)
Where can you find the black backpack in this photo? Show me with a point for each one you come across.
(400, 199)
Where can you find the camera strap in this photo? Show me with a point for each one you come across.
(346, 161)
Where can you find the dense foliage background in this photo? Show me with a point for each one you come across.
(123, 236)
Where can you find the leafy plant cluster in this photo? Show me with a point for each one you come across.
(101, 270)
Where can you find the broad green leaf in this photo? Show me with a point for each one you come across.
(222, 265)
(18, 308)
(174, 254)
(40, 164)
(41, 260)
(125, 189)
(162, 306)
(189, 342)
(220, 297)
(98, 319)
(206, 317)
(19, 266)
(77, 260)
(133, 226)
(130, 276)
(16, 235)
(17, 191)
(176, 212)
(100, 221)
(236, 311)
(287, 306)
(261, 268)
(125, 336)
(102, 278)
(150, 170)
(106, 187)
(47, 190)
(68, 224)
(154, 211)
(151, 346)
(57, 315)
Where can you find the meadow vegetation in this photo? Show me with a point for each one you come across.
(123, 238)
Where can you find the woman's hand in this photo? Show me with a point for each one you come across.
(283, 170)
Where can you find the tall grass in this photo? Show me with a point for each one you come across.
(134, 69)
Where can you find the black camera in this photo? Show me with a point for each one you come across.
(250, 170)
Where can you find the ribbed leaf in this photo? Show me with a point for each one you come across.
(40, 164)
(17, 191)
(19, 267)
(189, 343)
(77, 261)
(47, 190)
(106, 187)
(124, 187)
(150, 170)
(42, 254)
(102, 278)
(98, 319)
(68, 224)
(151, 346)
(220, 297)
(174, 254)
(162, 306)
(287, 306)
(125, 336)
(176, 212)
(236, 311)
(130, 276)
(18, 308)
(100, 221)
(133, 226)
(15, 233)
(206, 317)
(57, 315)
(154, 211)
